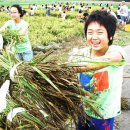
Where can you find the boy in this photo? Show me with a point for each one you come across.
(100, 76)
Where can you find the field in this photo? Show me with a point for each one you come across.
(56, 30)
(44, 33)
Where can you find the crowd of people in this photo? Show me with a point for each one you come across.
(122, 14)
(81, 8)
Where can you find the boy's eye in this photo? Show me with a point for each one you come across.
(100, 32)
(89, 32)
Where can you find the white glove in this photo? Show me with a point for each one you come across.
(3, 92)
(1, 42)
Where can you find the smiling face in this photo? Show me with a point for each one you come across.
(14, 13)
(97, 37)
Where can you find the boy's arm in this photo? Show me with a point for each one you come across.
(114, 57)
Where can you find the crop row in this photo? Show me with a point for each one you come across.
(45, 30)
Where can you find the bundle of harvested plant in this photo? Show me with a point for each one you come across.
(12, 37)
(48, 88)
(49, 92)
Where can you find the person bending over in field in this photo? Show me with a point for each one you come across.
(100, 71)
(22, 48)
(123, 14)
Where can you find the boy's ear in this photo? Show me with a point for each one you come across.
(111, 38)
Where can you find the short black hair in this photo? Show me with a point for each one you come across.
(19, 8)
(105, 19)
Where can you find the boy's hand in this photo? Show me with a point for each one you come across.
(77, 69)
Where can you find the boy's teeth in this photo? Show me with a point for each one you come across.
(96, 43)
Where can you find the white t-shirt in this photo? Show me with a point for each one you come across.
(105, 84)
(124, 11)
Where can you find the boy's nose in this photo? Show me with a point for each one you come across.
(94, 36)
